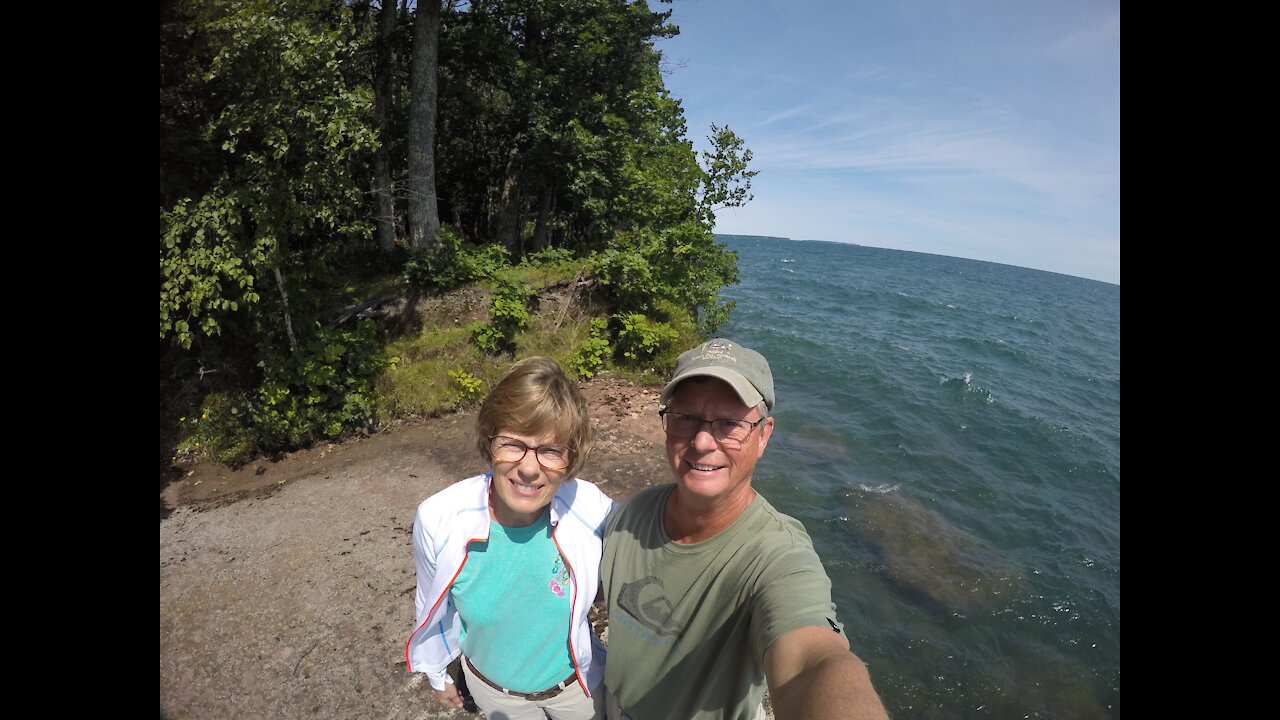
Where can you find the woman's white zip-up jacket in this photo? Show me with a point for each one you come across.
(446, 524)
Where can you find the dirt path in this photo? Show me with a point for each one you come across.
(286, 588)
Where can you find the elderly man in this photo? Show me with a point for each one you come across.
(712, 593)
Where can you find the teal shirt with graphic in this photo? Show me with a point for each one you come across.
(513, 597)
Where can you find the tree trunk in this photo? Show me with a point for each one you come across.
(424, 216)
(507, 230)
(542, 231)
(288, 319)
(382, 111)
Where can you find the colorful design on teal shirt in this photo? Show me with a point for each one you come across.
(559, 577)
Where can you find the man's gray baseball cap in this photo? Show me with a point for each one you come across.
(746, 370)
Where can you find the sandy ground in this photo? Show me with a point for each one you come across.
(286, 587)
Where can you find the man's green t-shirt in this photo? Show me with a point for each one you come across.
(689, 624)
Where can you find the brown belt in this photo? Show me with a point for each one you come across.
(540, 695)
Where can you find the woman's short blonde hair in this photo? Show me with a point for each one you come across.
(533, 398)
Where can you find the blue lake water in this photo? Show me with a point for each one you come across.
(948, 430)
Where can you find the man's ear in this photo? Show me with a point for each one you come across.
(766, 429)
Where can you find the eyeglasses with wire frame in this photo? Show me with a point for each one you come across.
(725, 431)
(509, 449)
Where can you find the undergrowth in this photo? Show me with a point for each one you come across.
(473, 315)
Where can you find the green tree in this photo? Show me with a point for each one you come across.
(541, 107)
(727, 181)
(282, 120)
(289, 131)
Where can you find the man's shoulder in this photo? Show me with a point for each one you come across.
(641, 503)
(766, 527)
(777, 518)
(645, 498)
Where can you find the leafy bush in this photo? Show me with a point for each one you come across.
(587, 359)
(548, 256)
(453, 262)
(625, 269)
(508, 314)
(681, 265)
(686, 328)
(470, 387)
(203, 274)
(218, 431)
(640, 339)
(324, 388)
(487, 337)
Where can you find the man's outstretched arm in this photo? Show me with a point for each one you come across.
(812, 674)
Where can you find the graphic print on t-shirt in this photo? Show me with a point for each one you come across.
(559, 577)
(646, 601)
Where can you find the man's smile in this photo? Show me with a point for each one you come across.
(704, 468)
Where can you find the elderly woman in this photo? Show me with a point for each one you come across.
(508, 562)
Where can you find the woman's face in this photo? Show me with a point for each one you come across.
(522, 489)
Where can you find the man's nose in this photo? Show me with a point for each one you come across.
(703, 439)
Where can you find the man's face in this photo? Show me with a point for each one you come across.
(701, 465)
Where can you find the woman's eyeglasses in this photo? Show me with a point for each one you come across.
(509, 449)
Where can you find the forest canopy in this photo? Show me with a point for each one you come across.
(305, 144)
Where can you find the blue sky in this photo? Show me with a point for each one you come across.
(980, 129)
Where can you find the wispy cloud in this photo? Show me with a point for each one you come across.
(1099, 40)
(998, 143)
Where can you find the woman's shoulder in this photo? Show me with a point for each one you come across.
(462, 493)
(582, 498)
(585, 489)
